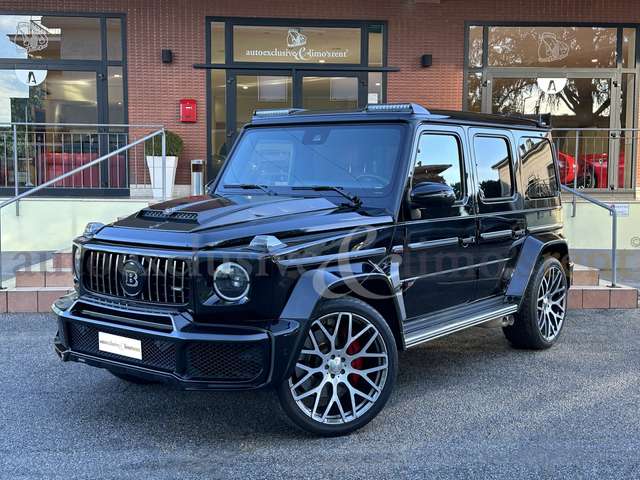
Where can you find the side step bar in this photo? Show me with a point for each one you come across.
(440, 330)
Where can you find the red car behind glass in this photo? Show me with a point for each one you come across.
(592, 170)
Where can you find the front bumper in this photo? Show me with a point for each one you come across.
(174, 348)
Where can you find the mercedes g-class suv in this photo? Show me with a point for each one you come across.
(327, 243)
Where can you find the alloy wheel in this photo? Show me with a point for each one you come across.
(342, 369)
(551, 305)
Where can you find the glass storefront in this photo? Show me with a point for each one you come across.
(57, 70)
(580, 79)
(274, 64)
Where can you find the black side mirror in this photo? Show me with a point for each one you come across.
(432, 195)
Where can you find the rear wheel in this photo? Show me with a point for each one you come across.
(541, 317)
(345, 372)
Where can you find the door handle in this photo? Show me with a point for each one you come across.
(465, 242)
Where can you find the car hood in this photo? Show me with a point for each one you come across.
(196, 222)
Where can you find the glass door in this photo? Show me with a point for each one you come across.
(322, 90)
(248, 91)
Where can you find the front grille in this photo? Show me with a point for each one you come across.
(157, 354)
(226, 361)
(164, 281)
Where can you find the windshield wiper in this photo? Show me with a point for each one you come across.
(250, 186)
(353, 199)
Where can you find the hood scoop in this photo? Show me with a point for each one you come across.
(168, 214)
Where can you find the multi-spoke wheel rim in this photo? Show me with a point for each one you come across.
(552, 302)
(342, 369)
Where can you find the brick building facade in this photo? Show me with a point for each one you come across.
(413, 28)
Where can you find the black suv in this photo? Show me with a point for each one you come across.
(328, 242)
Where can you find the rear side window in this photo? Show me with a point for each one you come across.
(493, 162)
(538, 170)
(439, 161)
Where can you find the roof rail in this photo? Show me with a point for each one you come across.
(396, 107)
(276, 112)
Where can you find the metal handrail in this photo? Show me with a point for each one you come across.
(614, 226)
(98, 160)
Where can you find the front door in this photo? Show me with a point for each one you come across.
(437, 269)
(323, 90)
(249, 90)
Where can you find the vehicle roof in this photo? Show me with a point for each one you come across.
(417, 113)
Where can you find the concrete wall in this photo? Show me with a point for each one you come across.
(51, 224)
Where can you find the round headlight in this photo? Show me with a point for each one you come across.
(231, 281)
(77, 258)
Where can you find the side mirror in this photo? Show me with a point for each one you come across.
(432, 195)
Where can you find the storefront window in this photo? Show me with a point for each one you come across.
(296, 44)
(49, 37)
(374, 94)
(217, 42)
(475, 46)
(114, 39)
(628, 47)
(375, 46)
(571, 77)
(564, 47)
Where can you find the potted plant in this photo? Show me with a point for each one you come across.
(153, 152)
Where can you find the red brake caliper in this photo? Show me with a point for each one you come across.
(357, 363)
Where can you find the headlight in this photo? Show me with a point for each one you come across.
(77, 259)
(231, 281)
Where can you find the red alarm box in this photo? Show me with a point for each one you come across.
(188, 110)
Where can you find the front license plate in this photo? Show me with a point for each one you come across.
(127, 347)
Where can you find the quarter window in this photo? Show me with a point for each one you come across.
(538, 171)
(493, 163)
(439, 160)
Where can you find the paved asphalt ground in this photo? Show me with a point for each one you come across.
(467, 406)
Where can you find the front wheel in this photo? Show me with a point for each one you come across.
(345, 372)
(541, 317)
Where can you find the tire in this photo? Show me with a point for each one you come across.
(539, 322)
(345, 372)
(131, 378)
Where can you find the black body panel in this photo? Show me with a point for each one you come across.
(425, 268)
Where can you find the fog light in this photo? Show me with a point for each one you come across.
(231, 281)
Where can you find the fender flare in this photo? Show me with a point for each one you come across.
(532, 249)
(311, 288)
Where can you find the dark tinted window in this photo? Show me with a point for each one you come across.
(538, 171)
(355, 157)
(438, 160)
(494, 166)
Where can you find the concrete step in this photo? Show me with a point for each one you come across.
(583, 275)
(61, 277)
(602, 296)
(62, 260)
(30, 299)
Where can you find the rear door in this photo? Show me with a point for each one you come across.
(501, 216)
(437, 268)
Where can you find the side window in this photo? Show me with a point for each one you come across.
(439, 160)
(494, 165)
(538, 170)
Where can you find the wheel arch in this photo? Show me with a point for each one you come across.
(534, 248)
(314, 286)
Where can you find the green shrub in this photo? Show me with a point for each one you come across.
(175, 145)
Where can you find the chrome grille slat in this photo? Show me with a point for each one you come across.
(102, 275)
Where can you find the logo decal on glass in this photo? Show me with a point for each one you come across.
(31, 36)
(550, 49)
(31, 78)
(551, 86)
(295, 38)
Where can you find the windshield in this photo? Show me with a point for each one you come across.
(361, 159)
